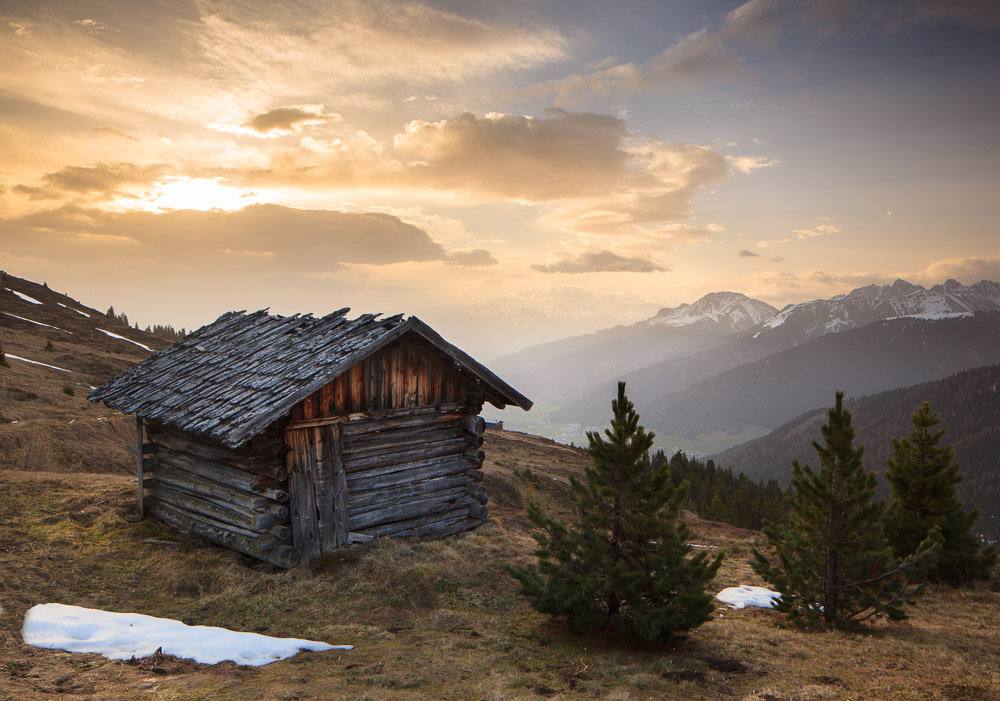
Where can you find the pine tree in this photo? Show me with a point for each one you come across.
(110, 313)
(834, 564)
(922, 475)
(3, 359)
(624, 563)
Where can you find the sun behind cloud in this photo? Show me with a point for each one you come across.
(201, 194)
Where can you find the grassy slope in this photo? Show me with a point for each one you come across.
(437, 619)
(53, 427)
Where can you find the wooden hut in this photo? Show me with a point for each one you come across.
(287, 437)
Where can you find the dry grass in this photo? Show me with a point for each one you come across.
(436, 619)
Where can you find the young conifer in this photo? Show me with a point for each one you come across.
(3, 359)
(624, 563)
(834, 565)
(922, 475)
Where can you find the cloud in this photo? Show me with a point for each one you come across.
(280, 238)
(102, 179)
(20, 28)
(561, 155)
(747, 254)
(285, 120)
(353, 43)
(818, 230)
(748, 164)
(474, 258)
(782, 287)
(802, 234)
(91, 25)
(108, 131)
(695, 60)
(658, 188)
(599, 262)
(966, 270)
(706, 57)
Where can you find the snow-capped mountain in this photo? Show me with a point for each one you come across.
(734, 310)
(808, 320)
(795, 325)
(550, 371)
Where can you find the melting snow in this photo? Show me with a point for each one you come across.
(34, 362)
(38, 322)
(743, 596)
(120, 636)
(73, 310)
(114, 335)
(25, 297)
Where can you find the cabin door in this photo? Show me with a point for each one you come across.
(317, 490)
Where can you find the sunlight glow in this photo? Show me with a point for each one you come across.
(201, 194)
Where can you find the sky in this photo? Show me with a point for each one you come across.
(509, 172)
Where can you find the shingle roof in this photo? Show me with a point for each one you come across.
(234, 377)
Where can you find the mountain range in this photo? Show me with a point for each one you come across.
(570, 367)
(718, 356)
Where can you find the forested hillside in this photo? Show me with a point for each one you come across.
(969, 405)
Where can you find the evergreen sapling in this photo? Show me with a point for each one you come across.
(834, 564)
(624, 564)
(923, 475)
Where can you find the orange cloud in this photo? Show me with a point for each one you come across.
(601, 262)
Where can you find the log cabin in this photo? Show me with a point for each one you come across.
(285, 438)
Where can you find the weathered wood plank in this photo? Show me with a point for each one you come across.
(305, 537)
(266, 548)
(412, 379)
(359, 501)
(432, 504)
(431, 450)
(340, 493)
(221, 474)
(476, 425)
(409, 474)
(139, 463)
(249, 463)
(400, 440)
(477, 492)
(340, 395)
(195, 485)
(420, 416)
(226, 513)
(422, 525)
(322, 474)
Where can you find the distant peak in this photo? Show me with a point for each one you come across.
(901, 284)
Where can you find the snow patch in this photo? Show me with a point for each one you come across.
(937, 316)
(120, 636)
(34, 362)
(744, 595)
(38, 323)
(25, 297)
(73, 310)
(114, 335)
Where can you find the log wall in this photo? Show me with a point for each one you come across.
(236, 498)
(404, 472)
